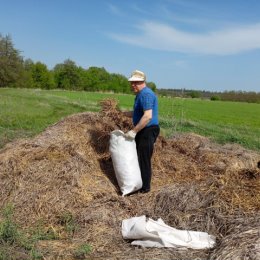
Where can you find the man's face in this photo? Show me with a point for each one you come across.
(137, 86)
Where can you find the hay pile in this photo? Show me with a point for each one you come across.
(67, 171)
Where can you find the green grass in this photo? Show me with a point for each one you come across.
(67, 220)
(225, 122)
(13, 241)
(82, 251)
(16, 242)
(26, 112)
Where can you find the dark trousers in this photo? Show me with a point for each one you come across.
(145, 140)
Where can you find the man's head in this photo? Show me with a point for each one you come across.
(137, 81)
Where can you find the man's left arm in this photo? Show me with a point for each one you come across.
(145, 119)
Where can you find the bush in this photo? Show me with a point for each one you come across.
(195, 94)
(215, 98)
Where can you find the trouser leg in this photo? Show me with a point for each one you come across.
(145, 140)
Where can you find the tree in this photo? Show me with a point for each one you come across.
(41, 76)
(96, 79)
(119, 83)
(28, 65)
(11, 63)
(67, 75)
(151, 85)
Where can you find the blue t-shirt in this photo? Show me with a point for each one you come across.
(145, 100)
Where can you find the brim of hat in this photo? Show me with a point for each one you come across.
(135, 79)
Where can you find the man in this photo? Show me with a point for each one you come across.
(146, 125)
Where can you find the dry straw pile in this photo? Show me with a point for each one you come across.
(67, 171)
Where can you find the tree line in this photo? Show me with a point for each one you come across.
(239, 96)
(17, 72)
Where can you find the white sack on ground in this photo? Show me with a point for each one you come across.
(150, 233)
(125, 162)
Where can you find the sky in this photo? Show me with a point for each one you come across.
(211, 45)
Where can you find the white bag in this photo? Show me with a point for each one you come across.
(125, 162)
(150, 233)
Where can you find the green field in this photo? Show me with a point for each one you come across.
(26, 112)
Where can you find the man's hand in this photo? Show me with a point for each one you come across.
(130, 135)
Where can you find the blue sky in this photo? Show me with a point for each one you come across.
(194, 44)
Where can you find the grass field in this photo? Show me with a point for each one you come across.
(26, 112)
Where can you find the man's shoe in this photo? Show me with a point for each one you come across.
(144, 191)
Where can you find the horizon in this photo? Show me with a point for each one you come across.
(179, 44)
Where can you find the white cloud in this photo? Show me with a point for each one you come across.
(173, 16)
(222, 42)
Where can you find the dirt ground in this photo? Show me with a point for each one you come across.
(64, 179)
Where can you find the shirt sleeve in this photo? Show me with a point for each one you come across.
(147, 101)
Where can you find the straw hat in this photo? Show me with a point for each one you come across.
(137, 75)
